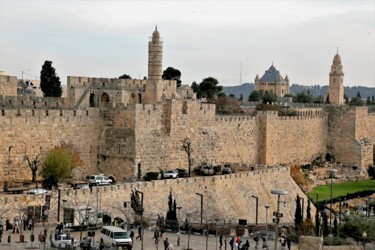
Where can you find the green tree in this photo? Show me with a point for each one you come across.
(359, 95)
(303, 98)
(232, 95)
(318, 99)
(256, 96)
(49, 81)
(172, 74)
(308, 210)
(136, 203)
(354, 226)
(58, 164)
(241, 97)
(356, 101)
(298, 213)
(172, 208)
(368, 101)
(195, 87)
(328, 101)
(125, 76)
(269, 97)
(209, 88)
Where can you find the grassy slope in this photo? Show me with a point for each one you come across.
(341, 189)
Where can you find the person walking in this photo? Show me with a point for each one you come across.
(156, 236)
(166, 244)
(132, 234)
(161, 232)
(221, 240)
(231, 243)
(139, 233)
(265, 243)
(256, 239)
(289, 242)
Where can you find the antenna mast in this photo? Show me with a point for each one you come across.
(241, 74)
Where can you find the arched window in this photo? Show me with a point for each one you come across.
(92, 100)
(334, 80)
(139, 98)
(104, 98)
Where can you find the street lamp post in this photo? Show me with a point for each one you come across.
(139, 192)
(201, 195)
(178, 225)
(331, 175)
(256, 209)
(278, 192)
(216, 220)
(267, 207)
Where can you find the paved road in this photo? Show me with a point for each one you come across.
(197, 242)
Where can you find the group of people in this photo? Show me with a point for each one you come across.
(27, 224)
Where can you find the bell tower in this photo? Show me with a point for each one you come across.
(336, 82)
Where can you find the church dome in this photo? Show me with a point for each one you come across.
(156, 33)
(337, 59)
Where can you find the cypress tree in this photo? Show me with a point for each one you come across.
(298, 213)
(334, 232)
(49, 81)
(325, 225)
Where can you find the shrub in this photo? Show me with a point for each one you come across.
(333, 241)
(371, 172)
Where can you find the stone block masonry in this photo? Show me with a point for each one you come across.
(227, 197)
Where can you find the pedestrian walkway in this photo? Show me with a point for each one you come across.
(197, 242)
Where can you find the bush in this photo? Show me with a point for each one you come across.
(371, 172)
(333, 241)
(149, 176)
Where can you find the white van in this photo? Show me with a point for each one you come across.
(111, 236)
(99, 180)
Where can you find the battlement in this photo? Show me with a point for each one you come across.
(8, 85)
(224, 118)
(50, 113)
(34, 102)
(105, 83)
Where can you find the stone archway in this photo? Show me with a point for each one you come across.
(92, 100)
(104, 98)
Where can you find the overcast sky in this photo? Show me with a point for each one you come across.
(201, 38)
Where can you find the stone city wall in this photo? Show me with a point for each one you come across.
(351, 135)
(294, 139)
(34, 132)
(227, 197)
(8, 85)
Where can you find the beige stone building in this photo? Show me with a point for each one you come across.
(336, 82)
(272, 81)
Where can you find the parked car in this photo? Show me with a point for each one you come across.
(207, 170)
(182, 173)
(170, 174)
(38, 191)
(227, 170)
(99, 180)
(64, 241)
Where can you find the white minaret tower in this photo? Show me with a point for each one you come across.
(155, 56)
(336, 81)
(154, 86)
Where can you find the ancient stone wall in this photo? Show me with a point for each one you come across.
(36, 131)
(351, 135)
(227, 197)
(8, 85)
(295, 139)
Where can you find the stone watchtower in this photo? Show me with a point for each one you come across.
(336, 82)
(154, 88)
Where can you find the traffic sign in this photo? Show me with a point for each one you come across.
(278, 215)
(275, 220)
